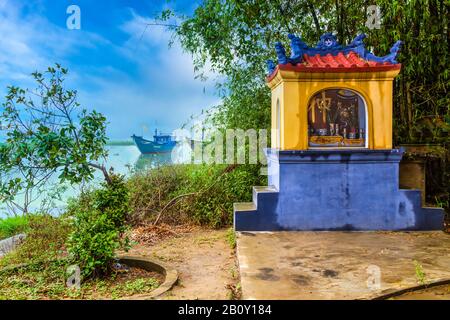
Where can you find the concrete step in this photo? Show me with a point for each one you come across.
(432, 218)
(264, 193)
(244, 206)
(245, 214)
(264, 189)
(252, 216)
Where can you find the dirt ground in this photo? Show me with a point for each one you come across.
(205, 262)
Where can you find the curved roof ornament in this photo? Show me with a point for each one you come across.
(328, 45)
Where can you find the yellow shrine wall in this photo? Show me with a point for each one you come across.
(294, 90)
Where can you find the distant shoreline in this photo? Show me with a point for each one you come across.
(109, 143)
(120, 143)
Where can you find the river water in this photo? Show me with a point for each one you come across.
(124, 159)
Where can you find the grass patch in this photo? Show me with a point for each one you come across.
(44, 275)
(36, 280)
(231, 238)
(11, 226)
(48, 281)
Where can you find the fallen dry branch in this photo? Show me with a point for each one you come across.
(173, 201)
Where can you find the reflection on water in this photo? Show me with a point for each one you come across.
(127, 159)
(123, 159)
(151, 161)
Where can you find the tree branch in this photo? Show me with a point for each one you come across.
(103, 170)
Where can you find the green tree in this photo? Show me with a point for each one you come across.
(236, 37)
(47, 133)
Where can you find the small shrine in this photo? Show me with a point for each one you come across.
(332, 165)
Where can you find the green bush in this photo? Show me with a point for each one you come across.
(99, 222)
(150, 190)
(219, 187)
(211, 189)
(11, 226)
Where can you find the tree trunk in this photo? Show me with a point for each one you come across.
(316, 20)
(409, 106)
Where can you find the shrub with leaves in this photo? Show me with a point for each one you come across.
(218, 186)
(99, 222)
(204, 193)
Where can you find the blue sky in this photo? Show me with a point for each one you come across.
(132, 77)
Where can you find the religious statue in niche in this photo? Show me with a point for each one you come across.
(336, 118)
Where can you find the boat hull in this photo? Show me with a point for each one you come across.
(147, 146)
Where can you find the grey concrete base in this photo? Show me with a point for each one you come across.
(338, 265)
(170, 275)
(335, 190)
(10, 244)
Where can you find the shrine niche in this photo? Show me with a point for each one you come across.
(337, 118)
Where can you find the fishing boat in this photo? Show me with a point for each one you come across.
(161, 143)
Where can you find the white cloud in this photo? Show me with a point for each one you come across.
(30, 42)
(161, 86)
(175, 64)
